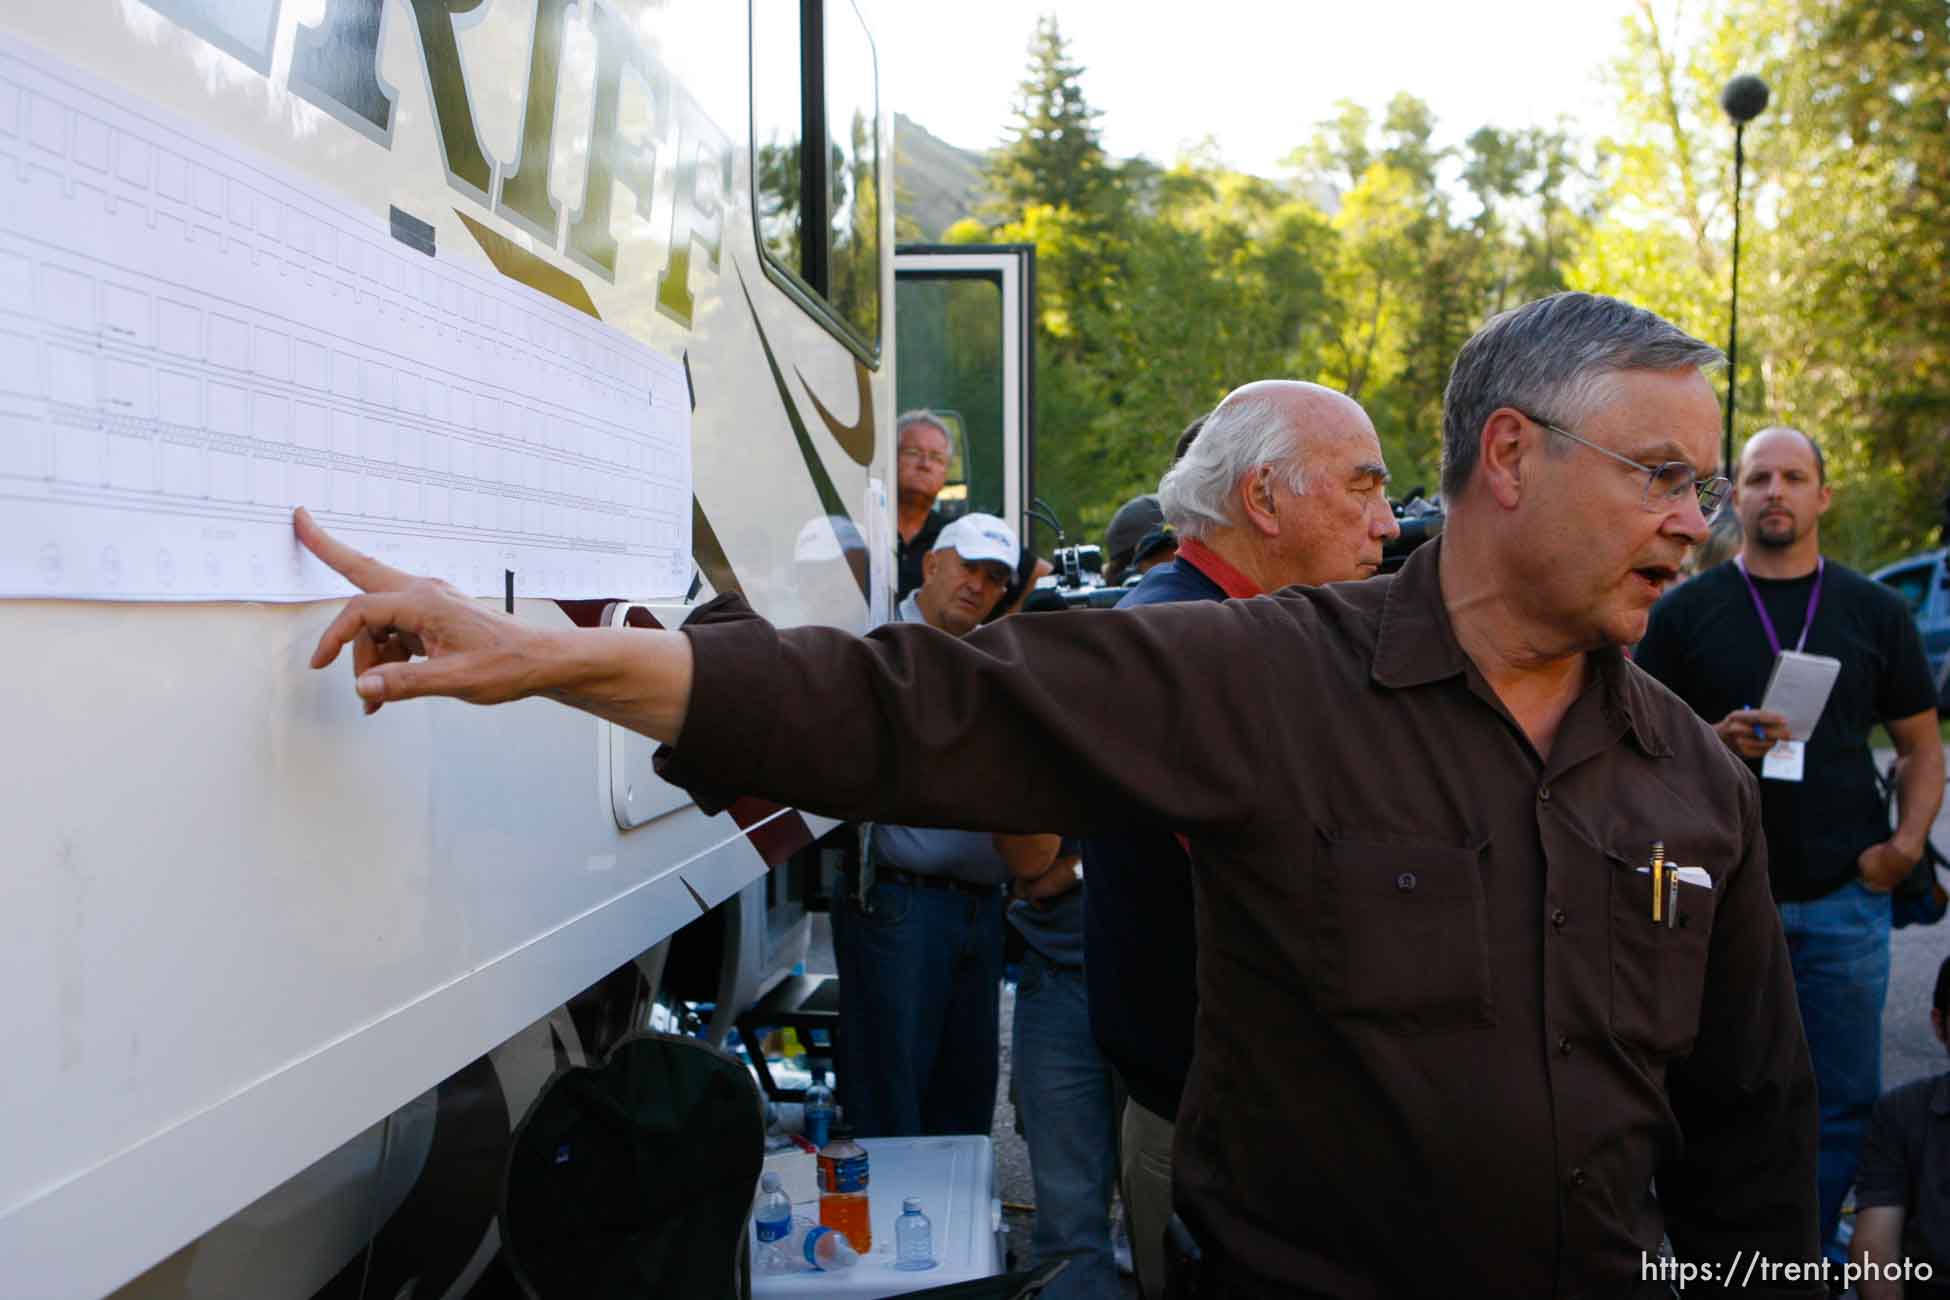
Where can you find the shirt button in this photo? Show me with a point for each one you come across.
(1544, 793)
(1563, 1045)
(1578, 1177)
(1406, 882)
(1559, 918)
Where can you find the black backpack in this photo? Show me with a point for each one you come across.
(634, 1178)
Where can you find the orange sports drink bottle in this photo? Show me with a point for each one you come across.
(843, 1199)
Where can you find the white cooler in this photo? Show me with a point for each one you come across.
(955, 1179)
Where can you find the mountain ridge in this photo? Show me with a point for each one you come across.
(935, 183)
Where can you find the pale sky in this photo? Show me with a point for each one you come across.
(1254, 74)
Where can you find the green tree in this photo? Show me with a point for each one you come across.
(1845, 276)
(1857, 269)
(1659, 235)
(1406, 280)
(1053, 154)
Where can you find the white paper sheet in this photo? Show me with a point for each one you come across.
(193, 341)
(1798, 690)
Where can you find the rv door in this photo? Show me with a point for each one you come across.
(964, 319)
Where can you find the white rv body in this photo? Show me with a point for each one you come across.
(264, 957)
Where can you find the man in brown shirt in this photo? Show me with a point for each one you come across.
(1486, 942)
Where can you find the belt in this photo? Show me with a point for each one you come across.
(899, 877)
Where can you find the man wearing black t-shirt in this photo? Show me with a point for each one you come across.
(1831, 855)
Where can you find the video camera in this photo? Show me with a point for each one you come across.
(1078, 580)
(1420, 520)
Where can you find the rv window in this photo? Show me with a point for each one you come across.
(852, 114)
(778, 131)
(818, 208)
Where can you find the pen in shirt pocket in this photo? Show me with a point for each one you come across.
(1685, 875)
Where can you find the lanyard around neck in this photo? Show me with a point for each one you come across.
(1767, 621)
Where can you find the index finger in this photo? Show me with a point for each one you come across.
(362, 571)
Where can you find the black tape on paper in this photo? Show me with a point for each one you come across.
(413, 232)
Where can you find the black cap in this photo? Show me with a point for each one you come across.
(1132, 522)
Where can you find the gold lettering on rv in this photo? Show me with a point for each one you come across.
(335, 65)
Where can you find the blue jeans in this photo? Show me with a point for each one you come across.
(920, 1005)
(1067, 1103)
(1839, 947)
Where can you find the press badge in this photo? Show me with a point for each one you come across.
(1785, 761)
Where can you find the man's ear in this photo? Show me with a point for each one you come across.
(1508, 440)
(1258, 505)
(929, 563)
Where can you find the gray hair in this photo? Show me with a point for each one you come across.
(922, 415)
(1552, 358)
(1244, 432)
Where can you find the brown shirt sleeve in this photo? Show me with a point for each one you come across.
(1031, 724)
(1742, 1183)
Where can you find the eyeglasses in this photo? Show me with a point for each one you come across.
(1665, 484)
(932, 459)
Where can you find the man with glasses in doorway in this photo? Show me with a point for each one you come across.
(1492, 993)
(1832, 857)
(921, 471)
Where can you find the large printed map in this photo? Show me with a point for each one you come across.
(192, 342)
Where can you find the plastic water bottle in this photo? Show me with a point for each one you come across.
(809, 1247)
(843, 1176)
(819, 1109)
(913, 1238)
(772, 1220)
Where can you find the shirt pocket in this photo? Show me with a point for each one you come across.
(1658, 971)
(1404, 933)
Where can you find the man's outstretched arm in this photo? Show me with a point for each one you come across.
(414, 637)
(905, 725)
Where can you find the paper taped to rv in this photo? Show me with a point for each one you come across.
(194, 339)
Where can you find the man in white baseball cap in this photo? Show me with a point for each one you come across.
(917, 927)
(964, 576)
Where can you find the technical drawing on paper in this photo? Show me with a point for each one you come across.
(192, 342)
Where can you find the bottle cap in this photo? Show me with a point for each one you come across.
(911, 1205)
(770, 1182)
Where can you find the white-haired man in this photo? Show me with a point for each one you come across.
(1282, 487)
(1492, 993)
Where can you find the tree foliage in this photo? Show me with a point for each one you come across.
(1381, 248)
(1845, 241)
